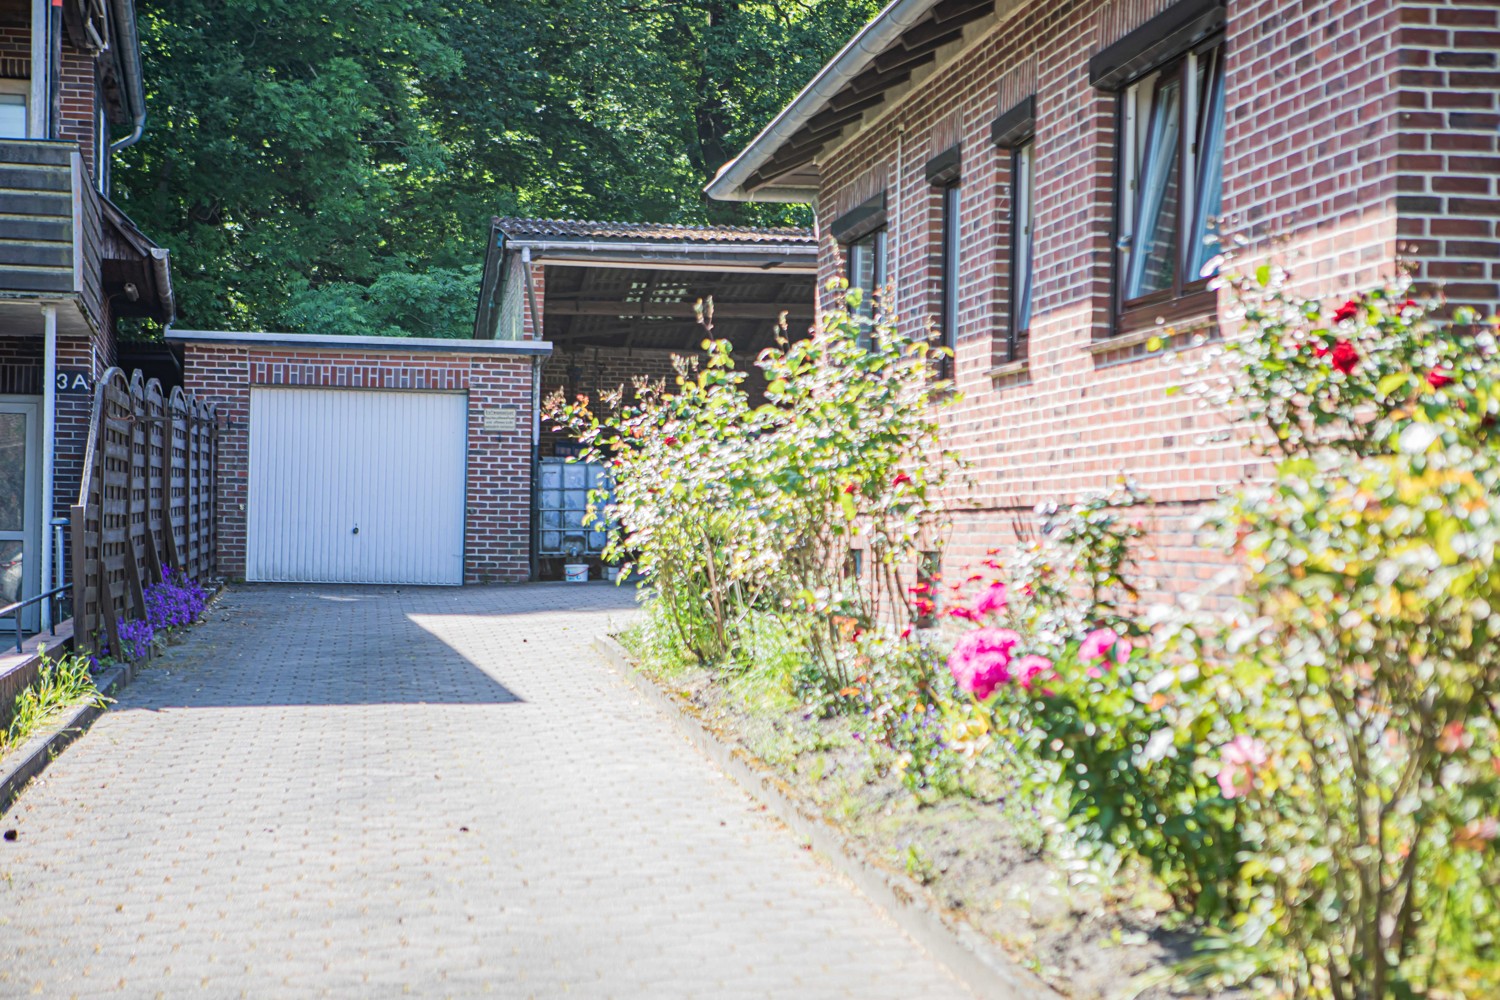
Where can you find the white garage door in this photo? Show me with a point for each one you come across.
(356, 486)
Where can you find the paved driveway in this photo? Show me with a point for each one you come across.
(380, 791)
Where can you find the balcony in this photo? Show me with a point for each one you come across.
(61, 242)
(50, 235)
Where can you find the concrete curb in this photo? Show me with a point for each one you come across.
(970, 956)
(44, 747)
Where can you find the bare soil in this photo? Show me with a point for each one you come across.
(1091, 934)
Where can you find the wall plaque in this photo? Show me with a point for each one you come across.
(498, 419)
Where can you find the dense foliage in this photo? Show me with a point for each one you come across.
(809, 506)
(332, 168)
(1303, 754)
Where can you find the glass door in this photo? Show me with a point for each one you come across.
(20, 518)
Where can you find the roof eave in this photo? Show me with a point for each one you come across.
(873, 39)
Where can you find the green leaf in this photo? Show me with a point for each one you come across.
(1390, 383)
(847, 503)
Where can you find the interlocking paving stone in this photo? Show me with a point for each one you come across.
(343, 791)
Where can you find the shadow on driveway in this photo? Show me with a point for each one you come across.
(285, 645)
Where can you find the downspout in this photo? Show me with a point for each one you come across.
(536, 412)
(536, 460)
(54, 73)
(129, 46)
(893, 247)
(49, 449)
(38, 125)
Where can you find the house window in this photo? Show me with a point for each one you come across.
(1172, 171)
(12, 115)
(1022, 200)
(863, 234)
(867, 268)
(949, 264)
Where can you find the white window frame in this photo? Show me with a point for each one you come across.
(1135, 120)
(21, 89)
(952, 216)
(1023, 246)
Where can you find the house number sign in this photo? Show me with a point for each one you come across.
(74, 380)
(498, 419)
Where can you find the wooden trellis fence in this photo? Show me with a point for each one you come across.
(145, 505)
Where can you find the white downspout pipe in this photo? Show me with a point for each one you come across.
(49, 449)
(39, 125)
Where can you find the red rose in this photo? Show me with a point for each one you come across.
(901, 477)
(670, 441)
(1408, 304)
(1320, 349)
(850, 488)
(1437, 378)
(1348, 310)
(1345, 357)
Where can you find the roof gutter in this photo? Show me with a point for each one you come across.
(606, 247)
(873, 39)
(161, 266)
(130, 63)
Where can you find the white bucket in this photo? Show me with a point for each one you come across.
(612, 574)
(576, 572)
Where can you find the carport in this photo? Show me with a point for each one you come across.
(619, 303)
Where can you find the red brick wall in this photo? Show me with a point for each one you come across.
(1323, 100)
(15, 39)
(80, 95)
(1448, 73)
(80, 89)
(497, 531)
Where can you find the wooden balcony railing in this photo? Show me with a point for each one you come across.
(51, 225)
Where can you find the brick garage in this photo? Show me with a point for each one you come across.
(494, 377)
(1354, 135)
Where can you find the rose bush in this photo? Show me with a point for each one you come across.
(732, 508)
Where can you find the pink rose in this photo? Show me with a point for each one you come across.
(980, 661)
(1031, 668)
(991, 600)
(1102, 645)
(1239, 759)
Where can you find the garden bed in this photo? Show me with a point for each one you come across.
(1088, 933)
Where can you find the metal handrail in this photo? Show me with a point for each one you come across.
(16, 607)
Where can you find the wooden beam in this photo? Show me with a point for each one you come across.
(669, 310)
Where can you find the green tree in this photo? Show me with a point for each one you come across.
(332, 167)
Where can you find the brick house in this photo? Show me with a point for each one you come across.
(1039, 182)
(71, 262)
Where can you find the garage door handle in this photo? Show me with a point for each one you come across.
(356, 529)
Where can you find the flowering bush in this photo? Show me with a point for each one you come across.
(137, 637)
(1364, 657)
(1314, 772)
(1079, 701)
(177, 600)
(731, 509)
